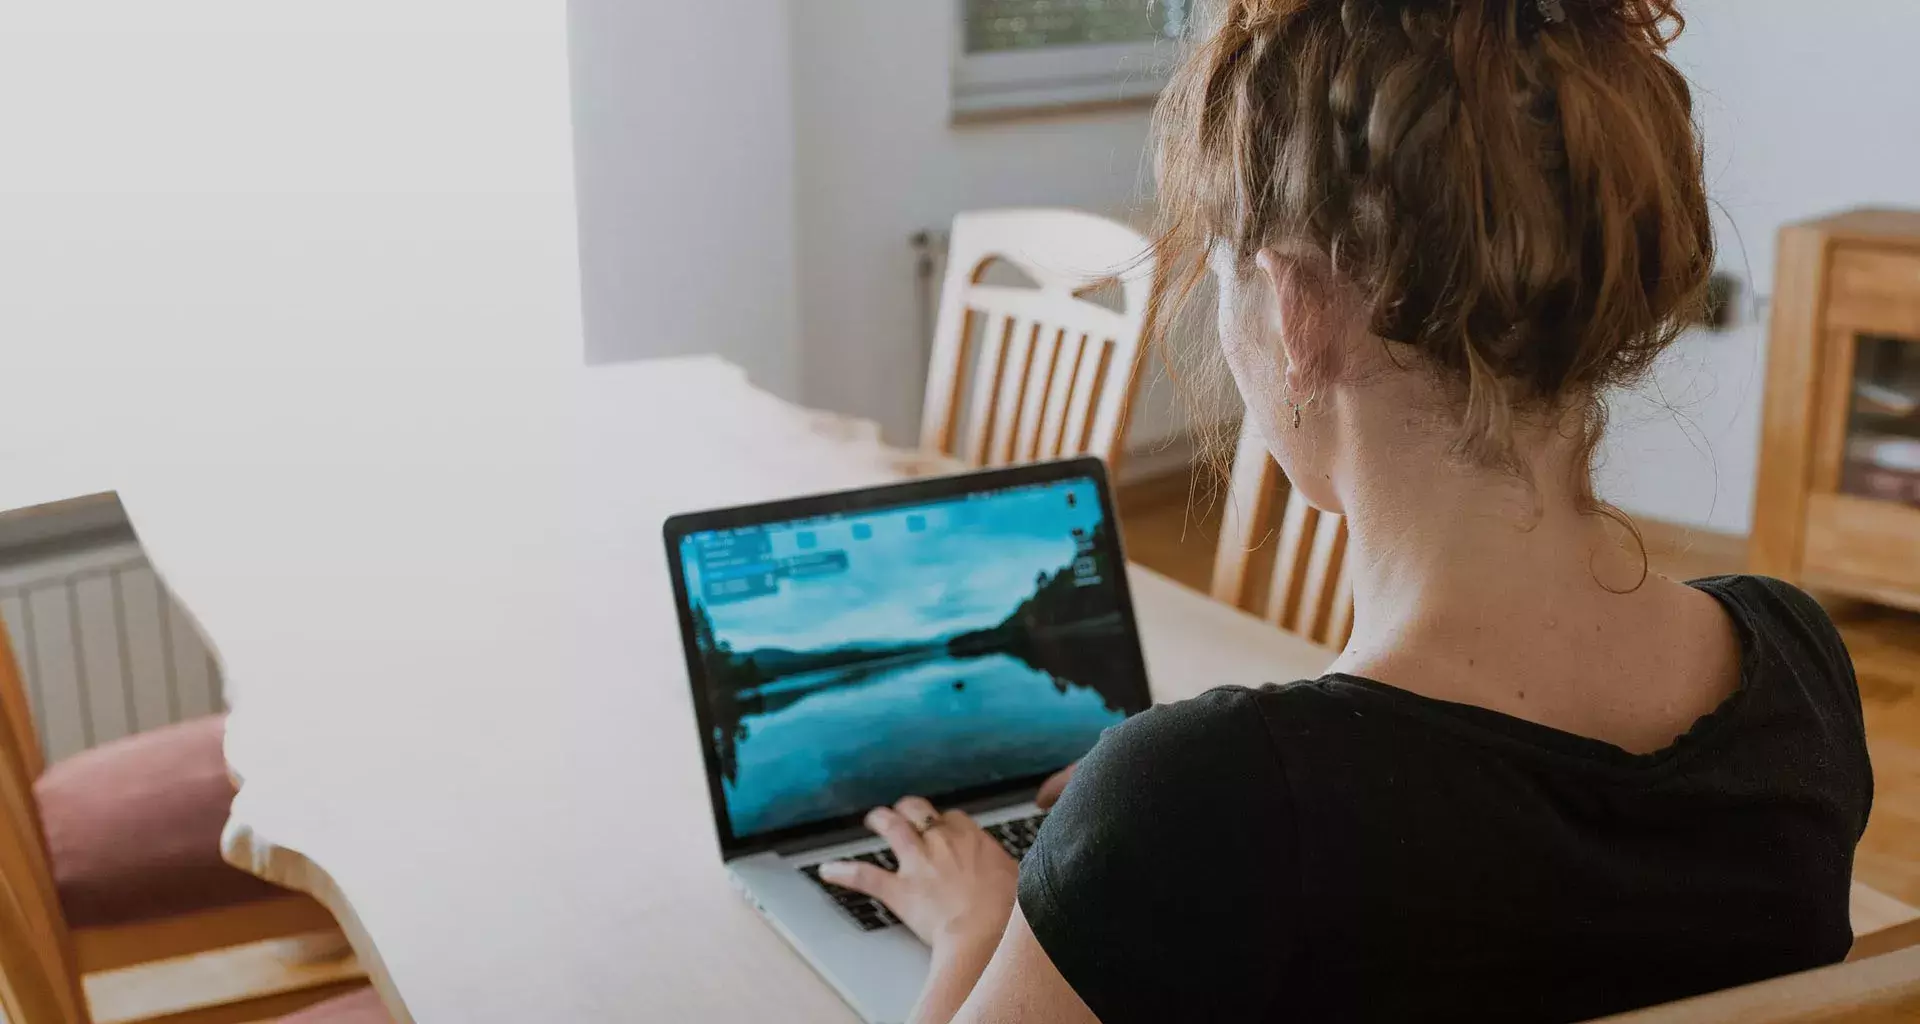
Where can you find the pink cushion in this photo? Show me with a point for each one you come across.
(362, 1007)
(133, 827)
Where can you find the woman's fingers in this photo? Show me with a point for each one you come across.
(953, 879)
(918, 811)
(899, 832)
(861, 876)
(957, 822)
(1057, 782)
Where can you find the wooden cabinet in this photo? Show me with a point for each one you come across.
(1838, 501)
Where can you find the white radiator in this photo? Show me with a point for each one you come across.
(103, 649)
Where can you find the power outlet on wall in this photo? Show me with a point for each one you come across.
(1718, 312)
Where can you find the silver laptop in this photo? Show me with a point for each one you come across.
(958, 638)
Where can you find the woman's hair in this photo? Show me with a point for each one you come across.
(1513, 188)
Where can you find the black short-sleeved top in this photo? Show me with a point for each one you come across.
(1338, 849)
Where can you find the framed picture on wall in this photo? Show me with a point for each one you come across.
(1029, 55)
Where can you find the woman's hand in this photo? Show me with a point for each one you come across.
(955, 886)
(1056, 784)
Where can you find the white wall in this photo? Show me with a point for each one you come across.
(685, 141)
(1803, 115)
(234, 185)
(877, 161)
(761, 206)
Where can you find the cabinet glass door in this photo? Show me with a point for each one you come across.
(1882, 456)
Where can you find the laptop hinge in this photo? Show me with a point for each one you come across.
(834, 837)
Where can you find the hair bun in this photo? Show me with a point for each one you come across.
(1553, 257)
(1659, 20)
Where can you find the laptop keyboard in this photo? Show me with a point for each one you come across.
(871, 915)
(1017, 836)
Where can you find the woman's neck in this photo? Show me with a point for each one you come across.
(1505, 590)
(1455, 558)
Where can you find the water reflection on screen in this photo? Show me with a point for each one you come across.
(850, 660)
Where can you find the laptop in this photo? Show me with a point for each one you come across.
(959, 638)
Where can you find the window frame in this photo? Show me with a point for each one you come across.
(1011, 82)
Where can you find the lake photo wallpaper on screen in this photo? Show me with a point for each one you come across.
(850, 660)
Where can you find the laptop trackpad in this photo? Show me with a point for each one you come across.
(878, 972)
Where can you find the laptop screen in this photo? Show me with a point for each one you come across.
(849, 659)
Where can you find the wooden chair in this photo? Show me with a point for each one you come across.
(1886, 940)
(362, 1006)
(1878, 990)
(1308, 590)
(282, 951)
(1052, 372)
(1881, 923)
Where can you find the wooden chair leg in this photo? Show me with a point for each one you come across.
(246, 983)
(116, 946)
(263, 1010)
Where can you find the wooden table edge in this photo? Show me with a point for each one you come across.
(288, 868)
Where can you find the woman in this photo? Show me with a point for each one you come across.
(1539, 784)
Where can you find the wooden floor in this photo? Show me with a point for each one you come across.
(1173, 533)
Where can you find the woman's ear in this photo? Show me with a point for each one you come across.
(1301, 304)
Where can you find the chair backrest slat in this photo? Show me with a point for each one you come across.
(39, 981)
(947, 377)
(989, 371)
(1093, 415)
(1042, 372)
(1323, 573)
(1010, 403)
(1055, 370)
(1290, 561)
(1060, 396)
(1244, 526)
(1309, 590)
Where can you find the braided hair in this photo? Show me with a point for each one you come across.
(1511, 189)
